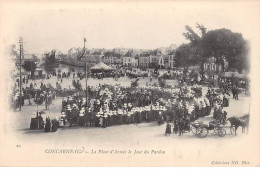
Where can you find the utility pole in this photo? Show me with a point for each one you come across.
(20, 68)
(86, 71)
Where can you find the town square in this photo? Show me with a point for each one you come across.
(120, 83)
(127, 89)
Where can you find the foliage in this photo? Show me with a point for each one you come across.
(185, 56)
(35, 57)
(193, 73)
(222, 44)
(191, 35)
(29, 66)
(154, 65)
(202, 29)
(50, 62)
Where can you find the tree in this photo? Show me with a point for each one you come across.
(154, 65)
(50, 62)
(190, 54)
(222, 43)
(202, 29)
(186, 56)
(35, 57)
(191, 35)
(29, 66)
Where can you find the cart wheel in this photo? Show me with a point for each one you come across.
(221, 132)
(194, 130)
(202, 132)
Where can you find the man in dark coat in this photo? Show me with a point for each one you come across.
(168, 130)
(180, 126)
(47, 125)
(55, 125)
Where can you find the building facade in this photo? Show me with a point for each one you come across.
(214, 66)
(144, 61)
(172, 59)
(95, 57)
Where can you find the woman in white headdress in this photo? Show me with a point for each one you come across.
(81, 117)
(160, 118)
(225, 100)
(125, 106)
(129, 106)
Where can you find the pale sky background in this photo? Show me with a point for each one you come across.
(145, 24)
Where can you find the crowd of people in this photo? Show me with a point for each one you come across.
(115, 105)
(44, 93)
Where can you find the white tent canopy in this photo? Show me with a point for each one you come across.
(101, 66)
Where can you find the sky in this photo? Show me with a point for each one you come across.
(137, 24)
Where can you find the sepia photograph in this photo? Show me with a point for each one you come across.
(129, 83)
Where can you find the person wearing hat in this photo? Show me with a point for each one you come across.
(68, 112)
(168, 130)
(160, 118)
(208, 107)
(87, 112)
(114, 116)
(224, 116)
(54, 125)
(175, 127)
(62, 119)
(129, 117)
(180, 123)
(92, 117)
(129, 106)
(109, 118)
(203, 108)
(139, 116)
(96, 119)
(105, 123)
(47, 125)
(125, 106)
(180, 110)
(81, 121)
(119, 117)
(225, 100)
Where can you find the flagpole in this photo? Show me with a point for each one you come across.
(86, 73)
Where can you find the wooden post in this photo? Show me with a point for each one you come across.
(20, 69)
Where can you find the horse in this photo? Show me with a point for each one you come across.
(245, 122)
(239, 121)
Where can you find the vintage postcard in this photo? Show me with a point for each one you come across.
(129, 83)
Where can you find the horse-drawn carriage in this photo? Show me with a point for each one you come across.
(202, 129)
(187, 126)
